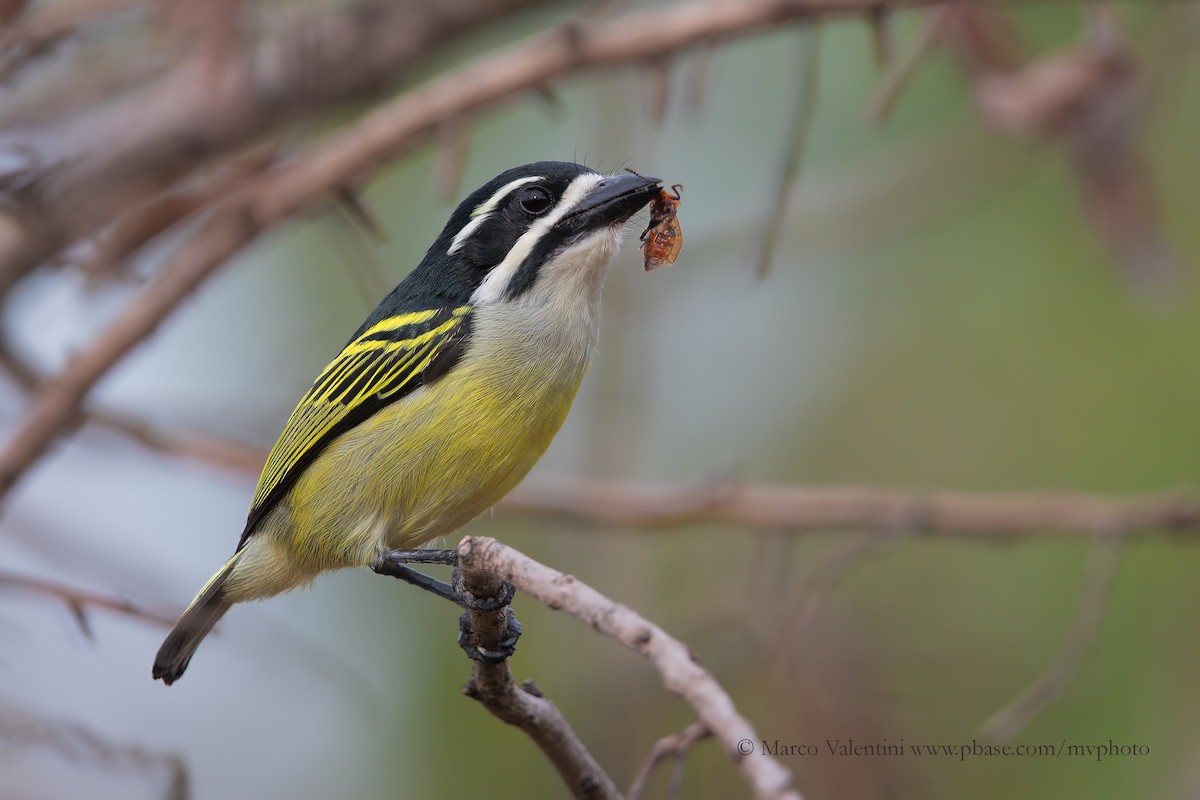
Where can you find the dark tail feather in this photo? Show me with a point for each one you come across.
(199, 618)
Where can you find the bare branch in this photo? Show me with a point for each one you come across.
(453, 144)
(59, 184)
(39, 32)
(699, 76)
(676, 747)
(80, 600)
(988, 515)
(77, 743)
(143, 223)
(818, 583)
(900, 72)
(797, 138)
(207, 449)
(658, 90)
(1092, 100)
(680, 672)
(883, 36)
(57, 404)
(526, 707)
(1098, 575)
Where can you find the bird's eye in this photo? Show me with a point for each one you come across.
(535, 200)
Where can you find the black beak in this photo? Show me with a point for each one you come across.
(613, 200)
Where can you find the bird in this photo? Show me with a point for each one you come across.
(442, 400)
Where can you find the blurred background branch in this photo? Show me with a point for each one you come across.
(886, 511)
(80, 601)
(20, 729)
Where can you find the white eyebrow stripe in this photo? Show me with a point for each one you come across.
(461, 237)
(501, 193)
(494, 285)
(481, 211)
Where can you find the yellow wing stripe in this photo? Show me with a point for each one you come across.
(363, 345)
(406, 374)
(364, 368)
(317, 413)
(404, 320)
(331, 379)
(392, 323)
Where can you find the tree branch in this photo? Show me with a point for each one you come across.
(675, 746)
(526, 707)
(1008, 722)
(79, 600)
(680, 672)
(57, 404)
(79, 744)
(856, 508)
(58, 184)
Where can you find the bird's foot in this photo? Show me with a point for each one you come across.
(494, 655)
(498, 601)
(395, 563)
(398, 557)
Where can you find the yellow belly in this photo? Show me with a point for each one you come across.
(420, 468)
(425, 466)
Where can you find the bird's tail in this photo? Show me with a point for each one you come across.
(199, 618)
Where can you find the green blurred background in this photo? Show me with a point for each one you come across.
(939, 314)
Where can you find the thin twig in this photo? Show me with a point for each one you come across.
(883, 36)
(676, 747)
(525, 706)
(1098, 574)
(658, 90)
(677, 666)
(451, 160)
(797, 138)
(350, 202)
(817, 584)
(699, 77)
(900, 71)
(79, 744)
(78, 601)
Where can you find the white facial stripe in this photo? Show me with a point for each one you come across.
(483, 209)
(461, 237)
(494, 285)
(502, 193)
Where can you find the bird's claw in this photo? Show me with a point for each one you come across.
(504, 648)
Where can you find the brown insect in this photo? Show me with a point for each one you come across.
(663, 238)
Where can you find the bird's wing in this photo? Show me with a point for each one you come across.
(381, 365)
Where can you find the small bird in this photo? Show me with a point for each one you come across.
(443, 399)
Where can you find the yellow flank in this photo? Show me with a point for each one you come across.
(425, 465)
(389, 367)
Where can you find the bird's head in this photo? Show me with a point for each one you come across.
(549, 223)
